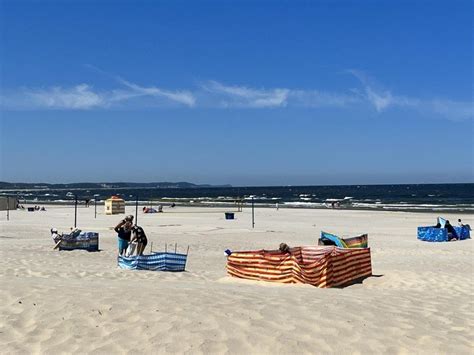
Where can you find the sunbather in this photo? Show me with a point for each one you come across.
(463, 225)
(55, 235)
(284, 248)
(452, 235)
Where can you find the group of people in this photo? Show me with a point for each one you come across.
(131, 238)
(35, 208)
(153, 210)
(451, 231)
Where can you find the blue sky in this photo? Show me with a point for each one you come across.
(246, 93)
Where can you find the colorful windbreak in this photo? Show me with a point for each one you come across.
(319, 266)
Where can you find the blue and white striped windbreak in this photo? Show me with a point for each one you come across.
(154, 262)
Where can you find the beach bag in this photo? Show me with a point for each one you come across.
(131, 249)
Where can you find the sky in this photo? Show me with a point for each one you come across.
(237, 92)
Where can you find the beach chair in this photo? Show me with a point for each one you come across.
(360, 241)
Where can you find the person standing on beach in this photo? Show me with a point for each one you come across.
(140, 238)
(124, 232)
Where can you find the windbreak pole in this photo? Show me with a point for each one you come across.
(75, 211)
(253, 213)
(136, 211)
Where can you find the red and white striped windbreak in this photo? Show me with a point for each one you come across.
(318, 266)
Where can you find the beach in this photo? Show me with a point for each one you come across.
(419, 299)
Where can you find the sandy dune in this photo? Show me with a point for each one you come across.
(420, 301)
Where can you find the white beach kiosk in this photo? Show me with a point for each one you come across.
(114, 205)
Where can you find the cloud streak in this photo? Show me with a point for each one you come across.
(215, 94)
(182, 97)
(246, 97)
(382, 99)
(242, 96)
(78, 97)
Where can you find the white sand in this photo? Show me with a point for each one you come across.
(61, 302)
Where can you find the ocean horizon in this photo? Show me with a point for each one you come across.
(457, 197)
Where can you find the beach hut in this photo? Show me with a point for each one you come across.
(79, 240)
(114, 205)
(360, 241)
(318, 266)
(160, 261)
(442, 234)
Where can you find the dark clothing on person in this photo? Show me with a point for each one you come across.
(123, 233)
(452, 235)
(140, 235)
(450, 228)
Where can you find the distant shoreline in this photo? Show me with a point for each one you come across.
(248, 205)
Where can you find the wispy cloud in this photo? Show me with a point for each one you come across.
(215, 94)
(84, 97)
(382, 99)
(77, 97)
(243, 96)
(183, 97)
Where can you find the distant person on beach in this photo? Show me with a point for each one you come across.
(140, 238)
(160, 208)
(284, 248)
(463, 225)
(277, 206)
(124, 232)
(87, 202)
(173, 205)
(452, 235)
(55, 235)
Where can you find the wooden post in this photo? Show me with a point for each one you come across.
(253, 213)
(75, 211)
(136, 212)
(187, 252)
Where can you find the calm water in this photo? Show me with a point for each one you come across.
(435, 197)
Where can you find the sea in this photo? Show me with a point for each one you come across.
(413, 197)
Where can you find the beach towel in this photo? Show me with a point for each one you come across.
(319, 266)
